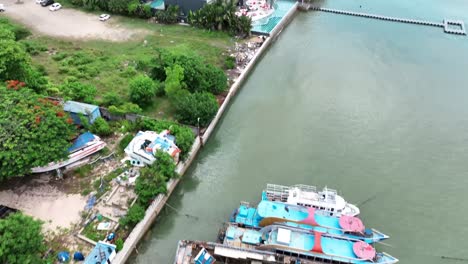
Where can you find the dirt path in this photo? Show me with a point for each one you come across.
(66, 22)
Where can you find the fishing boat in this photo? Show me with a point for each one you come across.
(308, 218)
(143, 147)
(85, 145)
(306, 244)
(326, 200)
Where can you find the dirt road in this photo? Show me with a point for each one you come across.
(66, 22)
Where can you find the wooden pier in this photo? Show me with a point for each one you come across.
(446, 24)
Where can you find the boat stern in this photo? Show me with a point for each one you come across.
(385, 258)
(351, 210)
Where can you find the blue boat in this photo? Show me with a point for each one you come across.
(304, 243)
(308, 218)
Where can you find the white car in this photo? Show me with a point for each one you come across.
(2, 8)
(104, 17)
(55, 7)
(39, 2)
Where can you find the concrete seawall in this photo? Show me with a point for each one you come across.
(153, 210)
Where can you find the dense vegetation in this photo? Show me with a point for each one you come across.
(220, 15)
(123, 7)
(151, 182)
(21, 240)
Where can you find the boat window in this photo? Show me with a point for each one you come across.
(333, 209)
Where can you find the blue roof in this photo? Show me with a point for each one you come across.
(100, 254)
(77, 107)
(81, 141)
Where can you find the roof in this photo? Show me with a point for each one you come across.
(101, 253)
(77, 107)
(81, 141)
(158, 4)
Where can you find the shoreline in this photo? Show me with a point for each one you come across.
(153, 210)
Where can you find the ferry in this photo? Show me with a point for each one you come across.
(143, 147)
(311, 245)
(86, 144)
(268, 213)
(326, 200)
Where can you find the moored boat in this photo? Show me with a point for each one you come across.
(326, 200)
(308, 245)
(85, 145)
(268, 213)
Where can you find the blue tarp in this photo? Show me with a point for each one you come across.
(78, 256)
(81, 141)
(63, 256)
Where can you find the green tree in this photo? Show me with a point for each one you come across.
(112, 98)
(149, 184)
(33, 131)
(21, 240)
(198, 105)
(165, 165)
(14, 60)
(134, 215)
(78, 91)
(142, 90)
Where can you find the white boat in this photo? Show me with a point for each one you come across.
(143, 147)
(85, 145)
(328, 201)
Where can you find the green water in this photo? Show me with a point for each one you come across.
(371, 108)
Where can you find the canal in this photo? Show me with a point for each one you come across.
(375, 109)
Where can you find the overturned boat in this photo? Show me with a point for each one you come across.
(268, 213)
(326, 200)
(305, 244)
(85, 145)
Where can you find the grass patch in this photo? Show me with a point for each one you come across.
(92, 233)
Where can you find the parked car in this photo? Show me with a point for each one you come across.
(104, 17)
(55, 7)
(39, 1)
(2, 8)
(47, 2)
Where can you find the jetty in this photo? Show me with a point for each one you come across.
(449, 26)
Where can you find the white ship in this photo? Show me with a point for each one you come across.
(85, 145)
(328, 201)
(143, 147)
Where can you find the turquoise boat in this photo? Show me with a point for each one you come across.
(307, 244)
(308, 218)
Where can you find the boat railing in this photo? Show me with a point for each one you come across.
(305, 188)
(276, 192)
(244, 203)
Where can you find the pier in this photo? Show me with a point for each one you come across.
(446, 24)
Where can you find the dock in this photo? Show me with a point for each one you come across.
(447, 24)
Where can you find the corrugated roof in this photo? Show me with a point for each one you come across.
(101, 253)
(77, 107)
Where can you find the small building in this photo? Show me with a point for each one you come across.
(91, 112)
(102, 253)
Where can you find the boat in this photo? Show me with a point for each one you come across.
(326, 200)
(312, 245)
(308, 218)
(143, 147)
(85, 145)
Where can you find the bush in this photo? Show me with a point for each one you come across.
(34, 48)
(126, 108)
(125, 141)
(111, 98)
(190, 107)
(142, 90)
(101, 127)
(230, 62)
(216, 79)
(19, 32)
(119, 243)
(168, 16)
(134, 215)
(78, 91)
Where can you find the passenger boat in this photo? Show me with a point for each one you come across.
(267, 213)
(143, 147)
(311, 245)
(326, 200)
(86, 144)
